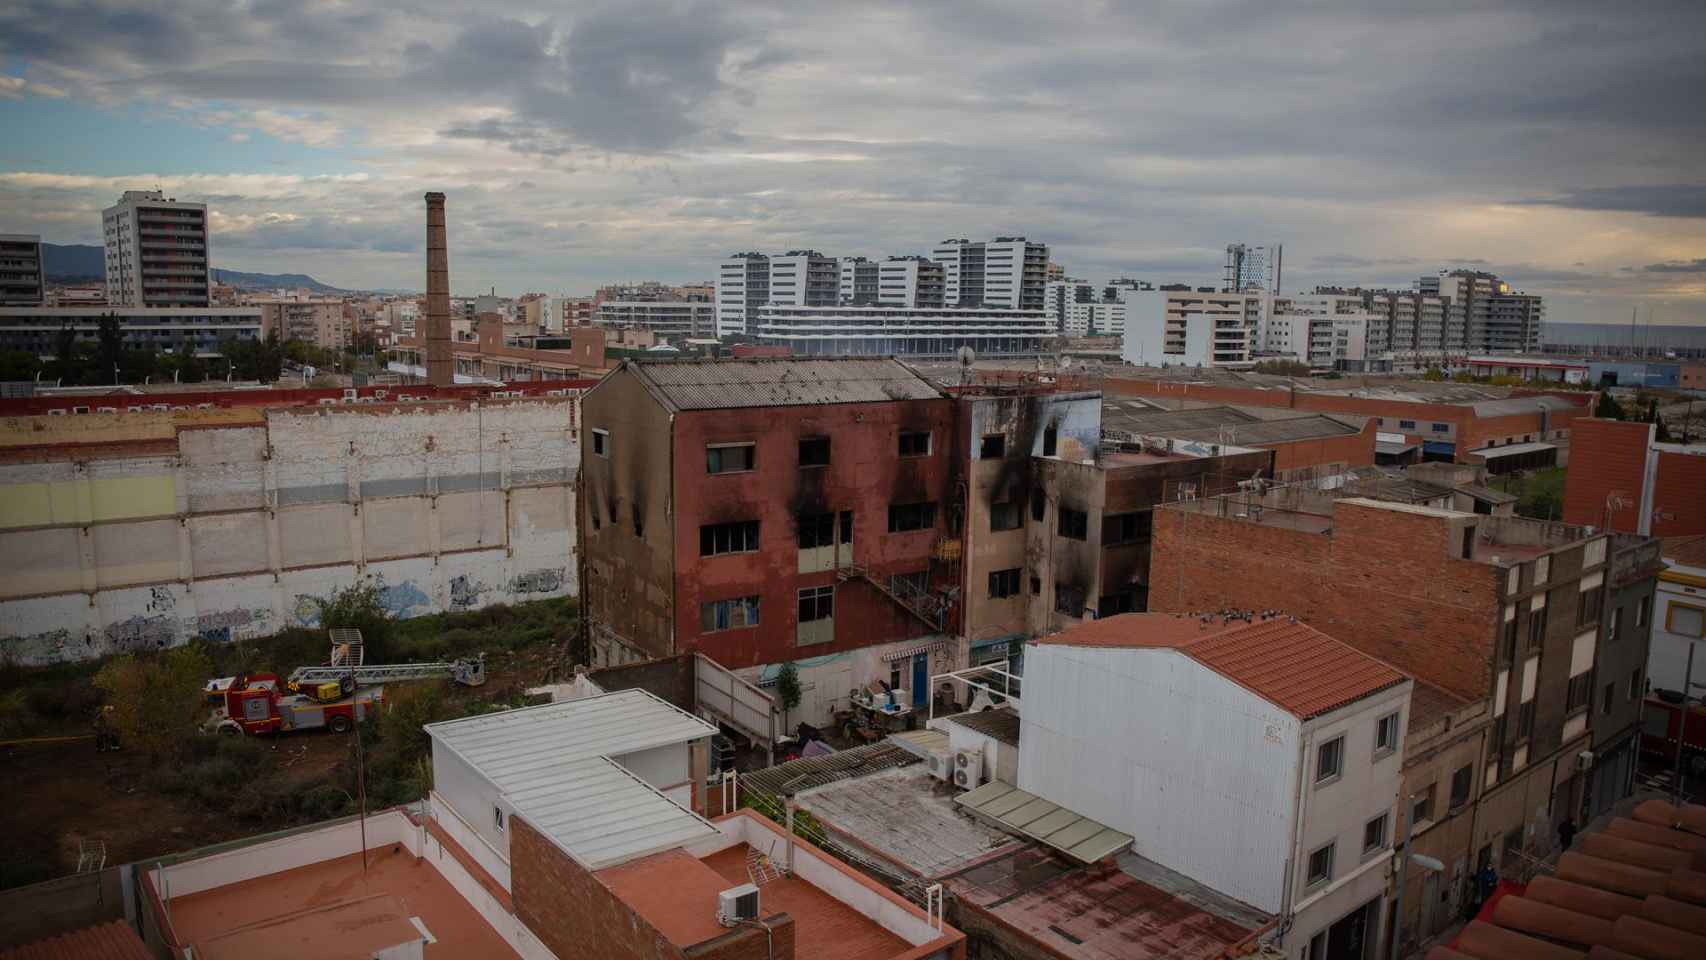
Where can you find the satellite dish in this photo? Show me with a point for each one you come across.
(967, 356)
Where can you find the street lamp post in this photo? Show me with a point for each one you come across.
(1425, 862)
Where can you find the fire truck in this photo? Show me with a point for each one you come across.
(259, 703)
(1662, 721)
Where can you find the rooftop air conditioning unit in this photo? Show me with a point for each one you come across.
(1584, 760)
(736, 904)
(942, 766)
(968, 769)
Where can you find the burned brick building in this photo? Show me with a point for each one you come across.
(767, 511)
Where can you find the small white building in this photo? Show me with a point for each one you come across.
(608, 778)
(1261, 759)
(1679, 624)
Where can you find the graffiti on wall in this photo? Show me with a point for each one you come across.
(538, 581)
(224, 626)
(402, 599)
(47, 647)
(465, 592)
(140, 632)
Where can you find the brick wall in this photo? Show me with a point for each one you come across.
(1382, 580)
(1606, 456)
(1679, 495)
(576, 915)
(1356, 450)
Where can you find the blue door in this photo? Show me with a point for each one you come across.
(920, 679)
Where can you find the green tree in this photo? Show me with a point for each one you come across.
(65, 354)
(788, 688)
(109, 351)
(19, 365)
(358, 606)
(1608, 408)
(158, 701)
(191, 369)
(1433, 375)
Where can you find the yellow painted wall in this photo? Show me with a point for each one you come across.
(77, 501)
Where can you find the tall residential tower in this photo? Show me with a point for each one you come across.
(157, 252)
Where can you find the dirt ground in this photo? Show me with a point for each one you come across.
(57, 794)
(61, 793)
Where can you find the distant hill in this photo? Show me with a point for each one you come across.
(66, 263)
(269, 281)
(70, 263)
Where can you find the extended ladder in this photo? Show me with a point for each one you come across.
(468, 671)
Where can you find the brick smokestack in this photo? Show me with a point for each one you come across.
(439, 365)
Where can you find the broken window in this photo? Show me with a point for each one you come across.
(729, 457)
(817, 530)
(914, 443)
(817, 603)
(1051, 440)
(1068, 599)
(1074, 524)
(911, 516)
(994, 447)
(1039, 504)
(814, 451)
(1119, 528)
(1004, 516)
(1461, 782)
(600, 442)
(1114, 604)
(1003, 583)
(730, 614)
(718, 538)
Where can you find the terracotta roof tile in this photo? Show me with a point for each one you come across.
(1287, 663)
(114, 940)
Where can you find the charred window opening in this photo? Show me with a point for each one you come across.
(639, 520)
(846, 526)
(817, 530)
(915, 443)
(730, 457)
(904, 517)
(814, 451)
(817, 603)
(1036, 584)
(731, 614)
(1068, 599)
(1003, 583)
(994, 447)
(1039, 504)
(1051, 440)
(600, 442)
(1004, 516)
(719, 538)
(1122, 528)
(1074, 524)
(1124, 601)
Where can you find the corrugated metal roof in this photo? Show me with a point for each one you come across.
(728, 384)
(920, 743)
(553, 763)
(1511, 449)
(808, 772)
(1290, 664)
(1486, 494)
(1079, 837)
(1235, 426)
(107, 941)
(1515, 405)
(1002, 723)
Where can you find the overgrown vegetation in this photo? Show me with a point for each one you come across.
(1284, 368)
(1540, 493)
(788, 689)
(156, 703)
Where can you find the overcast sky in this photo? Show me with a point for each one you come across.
(1559, 143)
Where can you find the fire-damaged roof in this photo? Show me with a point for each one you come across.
(1226, 424)
(778, 382)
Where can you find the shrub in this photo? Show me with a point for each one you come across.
(358, 606)
(156, 704)
(324, 802)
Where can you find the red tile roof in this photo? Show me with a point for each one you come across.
(1287, 663)
(108, 941)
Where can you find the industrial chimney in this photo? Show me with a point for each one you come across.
(439, 365)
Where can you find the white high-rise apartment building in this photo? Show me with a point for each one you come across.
(910, 282)
(858, 280)
(1004, 273)
(156, 251)
(1320, 329)
(747, 281)
(1485, 315)
(1078, 308)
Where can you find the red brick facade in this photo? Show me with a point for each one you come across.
(575, 915)
(1387, 582)
(1679, 495)
(1606, 457)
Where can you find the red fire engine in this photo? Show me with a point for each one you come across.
(1661, 722)
(255, 704)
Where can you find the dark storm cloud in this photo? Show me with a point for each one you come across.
(1664, 200)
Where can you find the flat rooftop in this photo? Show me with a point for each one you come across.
(676, 893)
(1137, 911)
(899, 816)
(334, 909)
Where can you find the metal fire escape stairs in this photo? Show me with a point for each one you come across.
(930, 607)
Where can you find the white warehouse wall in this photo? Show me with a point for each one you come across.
(159, 531)
(1197, 769)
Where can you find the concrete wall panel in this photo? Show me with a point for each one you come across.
(227, 544)
(224, 469)
(394, 528)
(142, 552)
(315, 535)
(41, 561)
(471, 521)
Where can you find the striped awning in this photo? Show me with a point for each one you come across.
(927, 645)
